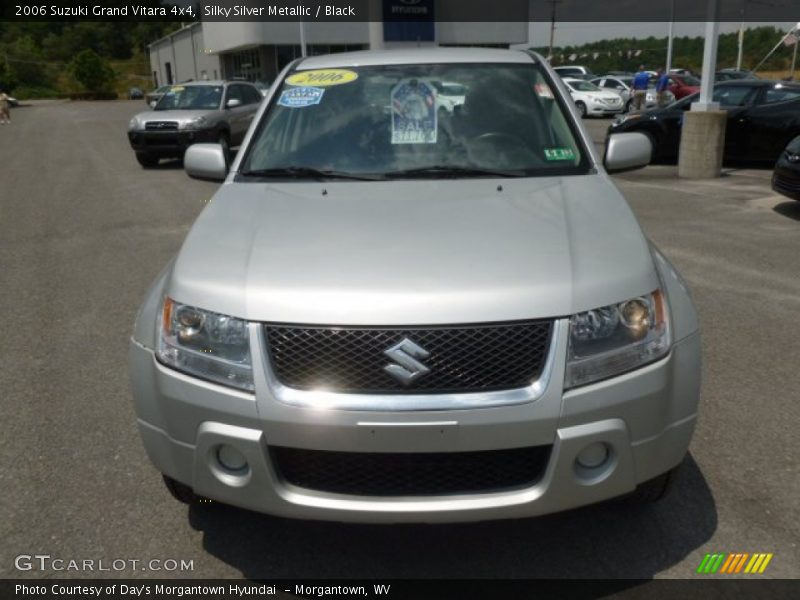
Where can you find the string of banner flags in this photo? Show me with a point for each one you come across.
(596, 55)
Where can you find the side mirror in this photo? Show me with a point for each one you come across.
(153, 103)
(627, 151)
(205, 161)
(233, 103)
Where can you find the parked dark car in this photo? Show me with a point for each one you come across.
(763, 116)
(135, 93)
(733, 75)
(786, 177)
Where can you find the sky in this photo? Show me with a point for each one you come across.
(575, 33)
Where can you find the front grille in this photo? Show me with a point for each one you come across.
(162, 140)
(461, 358)
(161, 125)
(416, 474)
(785, 184)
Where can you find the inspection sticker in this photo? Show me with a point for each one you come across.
(300, 97)
(543, 90)
(322, 77)
(559, 154)
(413, 113)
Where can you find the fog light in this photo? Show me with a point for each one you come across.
(231, 459)
(593, 456)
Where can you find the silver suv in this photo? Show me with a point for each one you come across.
(390, 312)
(188, 113)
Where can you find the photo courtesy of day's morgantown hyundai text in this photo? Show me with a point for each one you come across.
(417, 297)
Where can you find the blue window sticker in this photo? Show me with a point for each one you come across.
(414, 113)
(300, 97)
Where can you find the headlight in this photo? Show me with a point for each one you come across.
(206, 344)
(617, 338)
(196, 123)
(132, 124)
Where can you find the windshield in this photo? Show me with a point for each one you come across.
(583, 86)
(389, 121)
(191, 97)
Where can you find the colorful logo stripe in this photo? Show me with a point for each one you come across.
(733, 563)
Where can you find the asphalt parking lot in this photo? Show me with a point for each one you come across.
(84, 230)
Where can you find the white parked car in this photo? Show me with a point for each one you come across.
(592, 100)
(576, 71)
(449, 94)
(623, 86)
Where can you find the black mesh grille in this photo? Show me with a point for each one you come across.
(423, 474)
(161, 125)
(461, 358)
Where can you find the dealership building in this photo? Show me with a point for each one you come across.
(257, 51)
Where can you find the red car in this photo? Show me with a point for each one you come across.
(683, 85)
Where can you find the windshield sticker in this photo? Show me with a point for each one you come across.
(559, 154)
(176, 89)
(301, 97)
(322, 77)
(543, 90)
(414, 113)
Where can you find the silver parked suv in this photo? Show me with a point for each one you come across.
(390, 312)
(188, 113)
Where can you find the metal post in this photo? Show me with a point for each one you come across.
(669, 37)
(303, 49)
(794, 59)
(741, 38)
(705, 102)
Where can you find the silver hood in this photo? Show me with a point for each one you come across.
(413, 252)
(171, 115)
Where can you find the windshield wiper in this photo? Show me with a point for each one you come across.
(308, 172)
(445, 170)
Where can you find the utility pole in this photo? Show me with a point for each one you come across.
(741, 38)
(668, 66)
(794, 59)
(552, 25)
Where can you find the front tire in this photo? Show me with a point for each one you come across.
(180, 491)
(148, 161)
(655, 489)
(581, 108)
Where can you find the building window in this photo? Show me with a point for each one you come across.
(168, 67)
(245, 64)
(155, 79)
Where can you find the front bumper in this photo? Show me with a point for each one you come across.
(645, 418)
(171, 143)
(605, 109)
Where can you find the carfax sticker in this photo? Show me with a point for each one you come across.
(300, 97)
(559, 154)
(322, 77)
(413, 113)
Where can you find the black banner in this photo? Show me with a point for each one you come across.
(184, 11)
(707, 588)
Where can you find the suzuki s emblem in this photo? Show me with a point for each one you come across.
(406, 368)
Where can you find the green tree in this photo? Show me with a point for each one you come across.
(8, 79)
(92, 71)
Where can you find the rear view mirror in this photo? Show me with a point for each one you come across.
(627, 151)
(205, 161)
